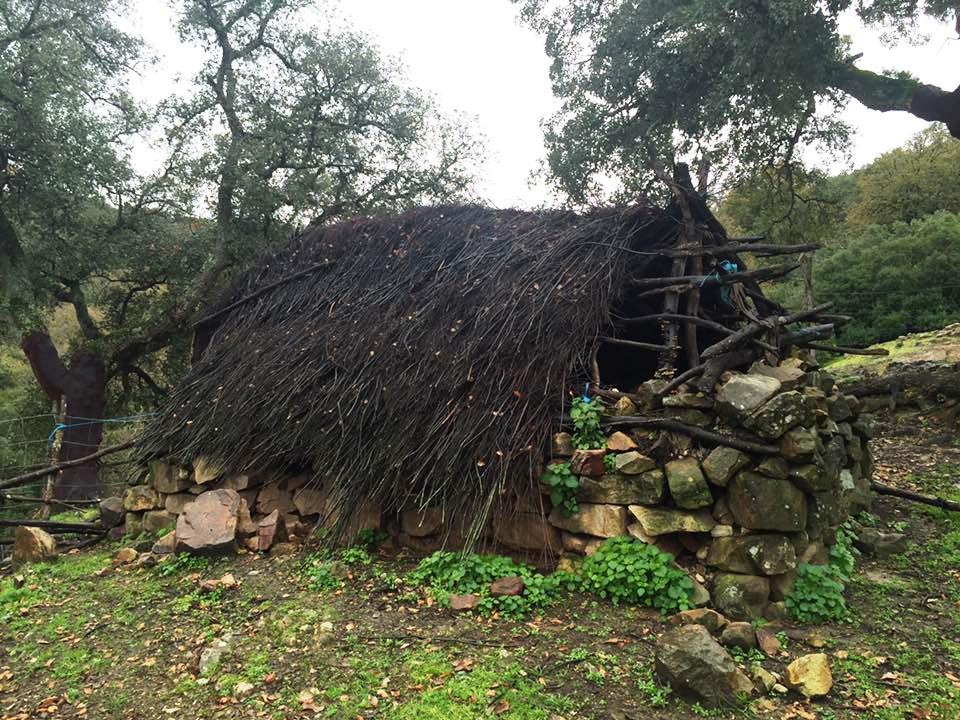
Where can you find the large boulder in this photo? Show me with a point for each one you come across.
(32, 545)
(811, 477)
(838, 408)
(634, 463)
(111, 512)
(762, 503)
(764, 554)
(743, 597)
(208, 525)
(723, 463)
(687, 485)
(421, 523)
(271, 529)
(166, 478)
(206, 470)
(799, 444)
(527, 531)
(790, 376)
(810, 675)
(307, 501)
(588, 462)
(600, 520)
(781, 413)
(139, 498)
(273, 496)
(660, 521)
(154, 520)
(742, 394)
(619, 489)
(698, 668)
(872, 541)
(620, 442)
(132, 523)
(775, 467)
(176, 503)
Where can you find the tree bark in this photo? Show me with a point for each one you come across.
(83, 387)
(885, 93)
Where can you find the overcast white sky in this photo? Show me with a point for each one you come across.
(474, 57)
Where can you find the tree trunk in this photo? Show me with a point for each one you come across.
(83, 387)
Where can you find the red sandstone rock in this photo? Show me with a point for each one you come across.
(209, 523)
(271, 529)
(510, 585)
(588, 462)
(463, 602)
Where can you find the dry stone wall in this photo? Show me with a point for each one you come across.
(739, 522)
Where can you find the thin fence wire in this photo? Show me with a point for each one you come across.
(25, 446)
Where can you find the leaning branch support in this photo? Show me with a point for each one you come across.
(684, 429)
(939, 502)
(79, 528)
(31, 476)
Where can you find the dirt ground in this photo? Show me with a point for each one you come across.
(83, 638)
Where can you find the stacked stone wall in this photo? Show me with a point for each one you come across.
(739, 522)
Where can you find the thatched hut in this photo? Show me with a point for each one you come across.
(422, 363)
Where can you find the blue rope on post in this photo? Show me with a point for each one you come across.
(66, 426)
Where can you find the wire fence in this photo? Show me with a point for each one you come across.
(27, 443)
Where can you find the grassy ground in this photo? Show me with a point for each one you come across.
(937, 345)
(85, 639)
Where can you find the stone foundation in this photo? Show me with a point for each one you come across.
(738, 521)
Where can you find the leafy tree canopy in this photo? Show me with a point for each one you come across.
(910, 182)
(894, 279)
(64, 113)
(745, 83)
(286, 121)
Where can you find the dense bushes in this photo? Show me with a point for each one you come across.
(627, 570)
(623, 570)
(894, 279)
(817, 594)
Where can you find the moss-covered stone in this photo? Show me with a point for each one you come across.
(723, 463)
(620, 489)
(775, 467)
(762, 554)
(660, 521)
(799, 444)
(687, 485)
(634, 463)
(781, 413)
(761, 503)
(739, 596)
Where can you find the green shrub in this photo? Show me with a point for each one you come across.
(627, 570)
(817, 594)
(183, 563)
(449, 573)
(585, 413)
(370, 538)
(319, 573)
(356, 555)
(893, 279)
(563, 486)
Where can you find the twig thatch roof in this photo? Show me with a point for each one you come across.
(419, 359)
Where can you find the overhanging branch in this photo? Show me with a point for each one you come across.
(886, 93)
